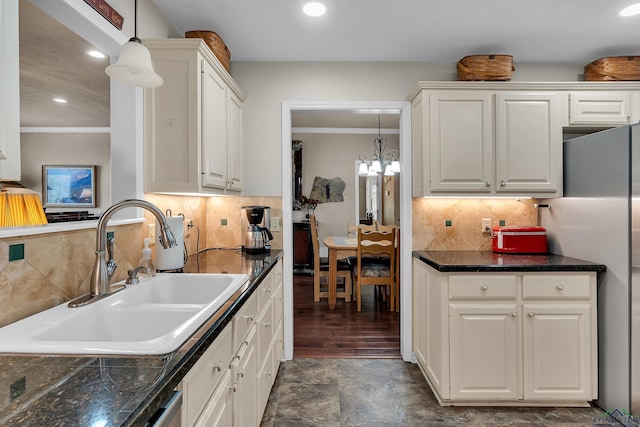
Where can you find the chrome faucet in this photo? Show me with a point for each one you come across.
(102, 269)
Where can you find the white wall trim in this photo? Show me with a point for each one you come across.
(32, 129)
(345, 131)
(367, 107)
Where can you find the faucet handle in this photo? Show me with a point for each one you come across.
(133, 275)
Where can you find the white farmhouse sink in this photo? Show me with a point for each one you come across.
(153, 317)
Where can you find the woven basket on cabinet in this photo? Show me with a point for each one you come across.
(215, 43)
(485, 67)
(613, 68)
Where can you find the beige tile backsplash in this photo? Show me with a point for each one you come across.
(57, 266)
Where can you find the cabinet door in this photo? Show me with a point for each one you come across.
(420, 306)
(484, 351)
(461, 141)
(600, 108)
(245, 398)
(557, 351)
(234, 141)
(529, 142)
(214, 128)
(219, 409)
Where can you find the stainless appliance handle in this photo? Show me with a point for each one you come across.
(170, 409)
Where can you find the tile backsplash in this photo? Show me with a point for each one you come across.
(57, 266)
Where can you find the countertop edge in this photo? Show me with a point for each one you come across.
(570, 264)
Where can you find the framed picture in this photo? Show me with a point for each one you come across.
(68, 186)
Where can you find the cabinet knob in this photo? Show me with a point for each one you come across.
(217, 367)
(502, 183)
(514, 314)
(559, 287)
(484, 287)
(241, 373)
(249, 317)
(267, 290)
(531, 314)
(267, 325)
(487, 184)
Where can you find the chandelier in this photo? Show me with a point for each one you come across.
(374, 163)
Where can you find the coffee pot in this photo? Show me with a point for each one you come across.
(256, 237)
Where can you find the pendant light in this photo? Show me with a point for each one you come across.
(134, 65)
(380, 160)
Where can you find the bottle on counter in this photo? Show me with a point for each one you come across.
(146, 261)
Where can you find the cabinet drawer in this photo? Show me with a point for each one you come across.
(265, 330)
(244, 320)
(570, 286)
(264, 291)
(482, 286)
(202, 379)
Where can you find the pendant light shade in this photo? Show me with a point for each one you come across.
(134, 66)
(363, 169)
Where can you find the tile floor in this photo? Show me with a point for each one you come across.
(385, 393)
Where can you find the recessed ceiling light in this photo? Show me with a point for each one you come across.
(60, 100)
(314, 9)
(632, 10)
(96, 54)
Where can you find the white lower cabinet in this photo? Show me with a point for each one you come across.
(517, 338)
(230, 384)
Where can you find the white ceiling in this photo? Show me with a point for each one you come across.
(413, 30)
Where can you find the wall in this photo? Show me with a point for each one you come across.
(268, 84)
(330, 156)
(39, 149)
(430, 215)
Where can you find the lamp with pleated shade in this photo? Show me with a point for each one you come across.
(20, 206)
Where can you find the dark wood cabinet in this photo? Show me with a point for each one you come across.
(302, 248)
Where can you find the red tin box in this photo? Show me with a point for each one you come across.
(519, 240)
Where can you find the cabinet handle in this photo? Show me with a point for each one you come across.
(484, 287)
(559, 287)
(502, 183)
(531, 314)
(268, 290)
(514, 314)
(267, 325)
(268, 373)
(250, 317)
(241, 373)
(236, 357)
(233, 387)
(487, 184)
(217, 366)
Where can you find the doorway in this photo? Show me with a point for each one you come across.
(368, 107)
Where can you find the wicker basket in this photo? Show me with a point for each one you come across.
(485, 67)
(216, 44)
(613, 68)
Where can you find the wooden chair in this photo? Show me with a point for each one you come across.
(321, 269)
(397, 276)
(377, 244)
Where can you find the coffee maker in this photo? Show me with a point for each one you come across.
(256, 236)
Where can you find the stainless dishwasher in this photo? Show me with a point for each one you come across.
(168, 415)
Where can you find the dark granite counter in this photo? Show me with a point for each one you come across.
(57, 390)
(487, 261)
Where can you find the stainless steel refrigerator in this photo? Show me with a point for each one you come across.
(598, 219)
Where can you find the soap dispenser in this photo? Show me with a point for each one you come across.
(146, 261)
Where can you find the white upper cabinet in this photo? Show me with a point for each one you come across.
(529, 142)
(193, 122)
(603, 108)
(475, 140)
(461, 141)
(505, 139)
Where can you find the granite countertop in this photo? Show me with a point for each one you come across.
(487, 261)
(118, 391)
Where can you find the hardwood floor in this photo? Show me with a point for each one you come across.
(343, 332)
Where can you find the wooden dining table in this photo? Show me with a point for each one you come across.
(339, 247)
